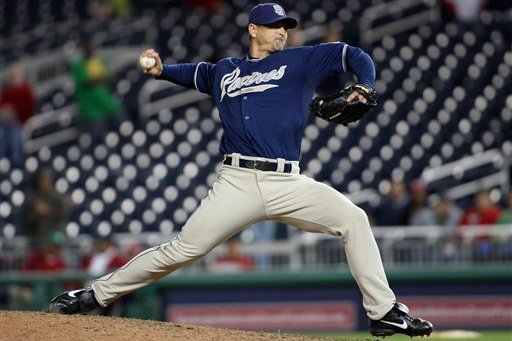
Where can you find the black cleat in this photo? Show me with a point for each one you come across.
(397, 320)
(79, 301)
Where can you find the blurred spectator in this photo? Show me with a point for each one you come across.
(210, 5)
(96, 102)
(104, 9)
(120, 7)
(104, 258)
(393, 210)
(133, 249)
(445, 213)
(233, 260)
(464, 10)
(262, 232)
(99, 9)
(17, 104)
(45, 210)
(418, 207)
(506, 214)
(502, 232)
(49, 258)
(483, 212)
(19, 93)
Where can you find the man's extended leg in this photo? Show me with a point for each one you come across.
(233, 203)
(315, 207)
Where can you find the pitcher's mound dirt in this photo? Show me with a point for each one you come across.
(31, 326)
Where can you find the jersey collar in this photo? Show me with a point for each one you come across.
(253, 60)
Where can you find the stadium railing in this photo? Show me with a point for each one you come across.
(400, 247)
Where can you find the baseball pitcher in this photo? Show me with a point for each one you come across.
(264, 100)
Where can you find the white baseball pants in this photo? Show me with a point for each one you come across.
(240, 197)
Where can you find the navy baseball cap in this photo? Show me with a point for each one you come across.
(270, 13)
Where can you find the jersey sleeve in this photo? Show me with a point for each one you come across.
(324, 60)
(361, 65)
(195, 76)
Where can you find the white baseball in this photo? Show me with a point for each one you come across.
(147, 62)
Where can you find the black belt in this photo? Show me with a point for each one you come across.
(259, 165)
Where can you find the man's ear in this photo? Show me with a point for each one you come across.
(252, 30)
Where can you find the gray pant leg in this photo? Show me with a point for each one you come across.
(232, 203)
(315, 207)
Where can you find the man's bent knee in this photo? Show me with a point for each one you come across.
(353, 218)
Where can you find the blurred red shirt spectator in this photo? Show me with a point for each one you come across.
(233, 260)
(17, 104)
(18, 94)
(104, 258)
(49, 258)
(210, 5)
(484, 212)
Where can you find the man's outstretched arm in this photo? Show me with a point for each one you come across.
(190, 75)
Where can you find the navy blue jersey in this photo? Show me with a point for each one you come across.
(264, 103)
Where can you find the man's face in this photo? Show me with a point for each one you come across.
(270, 37)
(483, 201)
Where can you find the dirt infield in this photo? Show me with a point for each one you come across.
(31, 326)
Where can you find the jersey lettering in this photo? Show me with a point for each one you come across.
(233, 85)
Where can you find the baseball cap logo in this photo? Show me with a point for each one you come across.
(271, 13)
(279, 10)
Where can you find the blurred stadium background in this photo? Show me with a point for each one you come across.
(444, 118)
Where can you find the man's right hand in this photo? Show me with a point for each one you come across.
(156, 70)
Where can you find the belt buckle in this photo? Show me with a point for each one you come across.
(253, 164)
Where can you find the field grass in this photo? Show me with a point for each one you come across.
(494, 335)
